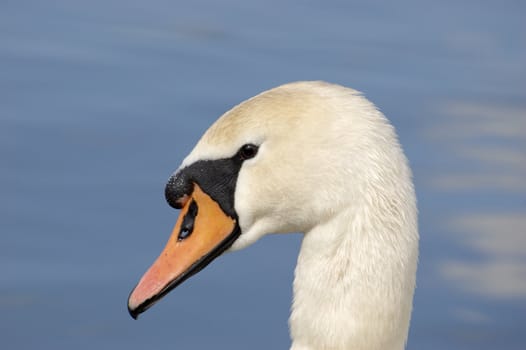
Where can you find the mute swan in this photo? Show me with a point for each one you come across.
(308, 157)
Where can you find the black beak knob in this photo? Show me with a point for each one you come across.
(177, 190)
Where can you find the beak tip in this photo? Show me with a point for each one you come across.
(133, 312)
(134, 309)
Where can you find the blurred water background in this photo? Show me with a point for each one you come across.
(101, 100)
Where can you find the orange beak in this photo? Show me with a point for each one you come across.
(203, 231)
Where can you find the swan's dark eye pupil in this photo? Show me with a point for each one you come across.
(248, 151)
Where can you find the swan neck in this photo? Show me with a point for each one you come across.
(354, 281)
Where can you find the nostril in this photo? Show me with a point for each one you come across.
(187, 227)
(178, 190)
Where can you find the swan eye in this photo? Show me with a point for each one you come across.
(248, 151)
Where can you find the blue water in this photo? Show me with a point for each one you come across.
(101, 100)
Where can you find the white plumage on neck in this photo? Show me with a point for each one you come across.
(355, 276)
(352, 288)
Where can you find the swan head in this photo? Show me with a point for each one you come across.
(282, 161)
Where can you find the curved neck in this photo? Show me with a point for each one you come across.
(354, 281)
